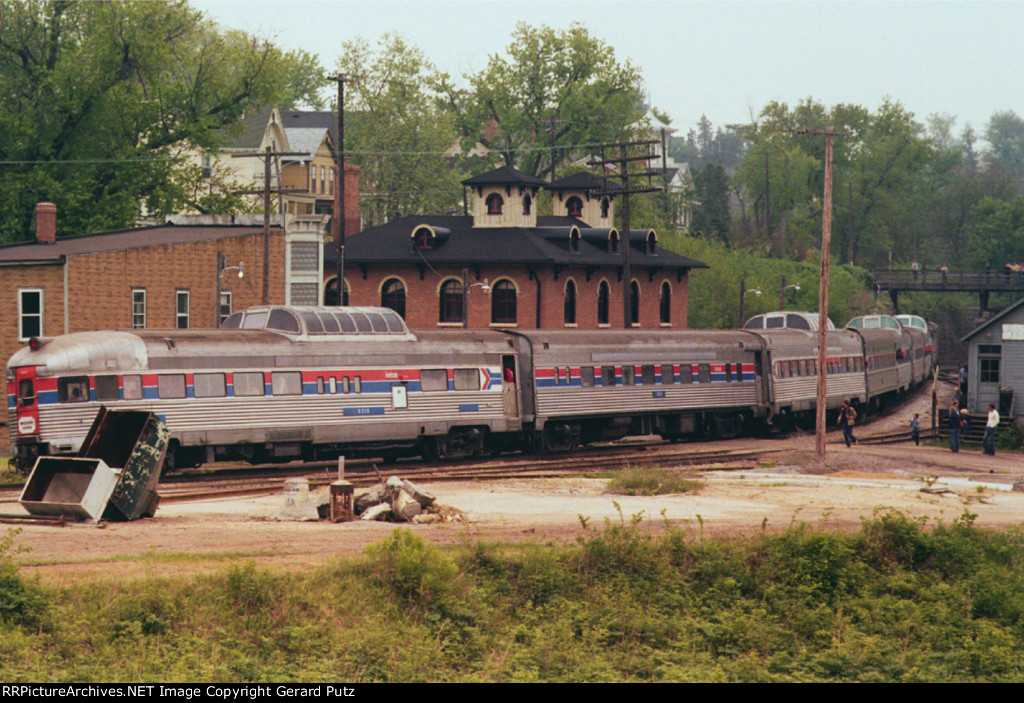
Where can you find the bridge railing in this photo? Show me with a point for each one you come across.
(1001, 279)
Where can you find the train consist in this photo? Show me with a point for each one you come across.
(280, 383)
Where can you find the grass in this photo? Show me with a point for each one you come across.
(651, 481)
(898, 600)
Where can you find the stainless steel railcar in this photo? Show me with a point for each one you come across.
(284, 383)
(588, 386)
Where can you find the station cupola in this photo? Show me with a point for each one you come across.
(579, 196)
(504, 198)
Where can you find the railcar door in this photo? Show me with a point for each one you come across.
(509, 386)
(26, 401)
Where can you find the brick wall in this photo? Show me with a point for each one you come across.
(423, 295)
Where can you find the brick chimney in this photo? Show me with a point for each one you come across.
(353, 222)
(46, 223)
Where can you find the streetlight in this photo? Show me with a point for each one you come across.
(743, 295)
(782, 292)
(221, 268)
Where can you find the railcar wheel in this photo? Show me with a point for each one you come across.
(561, 437)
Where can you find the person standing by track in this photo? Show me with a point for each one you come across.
(954, 427)
(847, 416)
(988, 443)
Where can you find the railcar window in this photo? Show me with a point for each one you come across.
(26, 392)
(313, 324)
(434, 380)
(255, 321)
(209, 385)
(286, 383)
(330, 322)
(233, 322)
(686, 373)
(106, 388)
(394, 322)
(320, 386)
(357, 384)
(363, 325)
(755, 323)
(668, 376)
(346, 384)
(728, 373)
(333, 385)
(132, 386)
(74, 389)
(796, 322)
(170, 385)
(607, 376)
(377, 322)
(278, 319)
(704, 373)
(629, 375)
(467, 380)
(647, 374)
(249, 383)
(348, 325)
(587, 376)
(776, 322)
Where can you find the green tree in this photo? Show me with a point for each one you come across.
(997, 233)
(99, 99)
(561, 89)
(1005, 136)
(711, 216)
(399, 132)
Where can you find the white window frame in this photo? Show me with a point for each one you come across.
(180, 316)
(225, 302)
(138, 313)
(22, 315)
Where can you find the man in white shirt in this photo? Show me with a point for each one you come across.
(988, 443)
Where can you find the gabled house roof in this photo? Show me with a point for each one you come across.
(993, 320)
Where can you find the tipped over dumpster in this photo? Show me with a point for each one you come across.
(113, 477)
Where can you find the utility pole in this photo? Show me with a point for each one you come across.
(266, 156)
(826, 236)
(554, 162)
(338, 219)
(622, 162)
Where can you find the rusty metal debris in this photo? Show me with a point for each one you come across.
(114, 476)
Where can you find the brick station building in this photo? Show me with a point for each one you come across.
(503, 266)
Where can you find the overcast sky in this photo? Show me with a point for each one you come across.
(725, 60)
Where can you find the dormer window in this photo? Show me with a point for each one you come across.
(613, 242)
(606, 205)
(574, 240)
(495, 203)
(527, 204)
(423, 238)
(574, 206)
(651, 241)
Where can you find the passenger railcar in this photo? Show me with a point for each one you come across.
(589, 386)
(280, 383)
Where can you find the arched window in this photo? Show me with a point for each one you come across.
(503, 302)
(652, 240)
(634, 303)
(570, 302)
(527, 204)
(613, 241)
(495, 203)
(605, 206)
(666, 303)
(392, 295)
(604, 295)
(574, 206)
(331, 292)
(574, 240)
(451, 302)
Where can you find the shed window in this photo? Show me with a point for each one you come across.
(495, 203)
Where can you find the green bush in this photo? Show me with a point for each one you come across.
(20, 602)
(413, 570)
